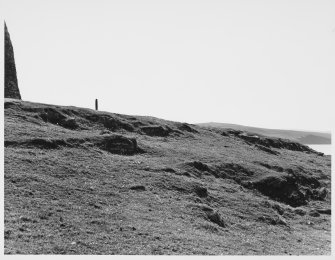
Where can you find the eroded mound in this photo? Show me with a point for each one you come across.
(294, 187)
(79, 181)
(84, 119)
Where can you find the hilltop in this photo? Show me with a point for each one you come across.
(79, 181)
(304, 137)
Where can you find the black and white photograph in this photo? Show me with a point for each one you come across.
(167, 127)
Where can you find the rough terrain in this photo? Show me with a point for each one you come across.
(78, 181)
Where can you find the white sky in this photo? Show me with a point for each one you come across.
(259, 63)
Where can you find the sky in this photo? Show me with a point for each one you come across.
(267, 63)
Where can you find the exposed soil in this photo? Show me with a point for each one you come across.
(78, 181)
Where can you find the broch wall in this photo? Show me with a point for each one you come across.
(11, 85)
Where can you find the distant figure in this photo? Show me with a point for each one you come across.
(96, 104)
(11, 86)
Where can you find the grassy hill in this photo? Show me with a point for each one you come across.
(78, 181)
(304, 137)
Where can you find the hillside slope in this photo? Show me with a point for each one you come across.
(78, 181)
(304, 137)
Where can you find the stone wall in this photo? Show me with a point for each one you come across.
(11, 85)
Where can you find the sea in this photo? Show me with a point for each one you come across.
(323, 148)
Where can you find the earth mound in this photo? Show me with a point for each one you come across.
(79, 181)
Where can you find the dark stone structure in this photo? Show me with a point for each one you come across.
(11, 86)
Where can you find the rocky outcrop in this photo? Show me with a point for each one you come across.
(11, 85)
